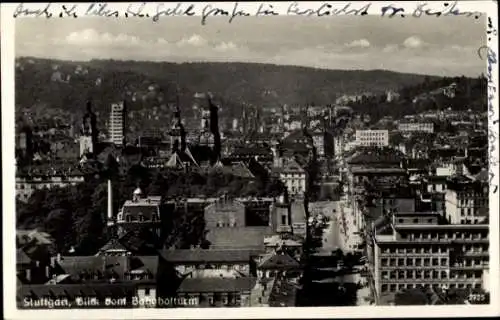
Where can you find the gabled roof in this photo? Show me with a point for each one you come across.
(278, 260)
(113, 245)
(238, 169)
(291, 165)
(145, 263)
(74, 265)
(180, 158)
(139, 242)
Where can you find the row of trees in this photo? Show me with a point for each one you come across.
(470, 94)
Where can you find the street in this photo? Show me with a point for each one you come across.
(333, 239)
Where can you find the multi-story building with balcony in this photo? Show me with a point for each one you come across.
(417, 251)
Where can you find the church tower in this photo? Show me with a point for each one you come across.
(177, 132)
(210, 135)
(88, 133)
(281, 215)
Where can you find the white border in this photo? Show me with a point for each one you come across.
(8, 174)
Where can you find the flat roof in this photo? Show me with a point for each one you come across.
(442, 226)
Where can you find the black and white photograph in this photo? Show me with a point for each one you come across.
(325, 156)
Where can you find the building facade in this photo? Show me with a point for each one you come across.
(421, 252)
(367, 138)
(407, 127)
(466, 202)
(117, 123)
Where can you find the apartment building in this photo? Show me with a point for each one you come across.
(117, 123)
(367, 138)
(466, 201)
(407, 127)
(417, 251)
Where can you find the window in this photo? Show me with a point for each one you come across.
(384, 288)
(147, 291)
(283, 219)
(401, 262)
(443, 262)
(435, 262)
(393, 288)
(384, 262)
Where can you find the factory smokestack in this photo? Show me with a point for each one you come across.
(110, 202)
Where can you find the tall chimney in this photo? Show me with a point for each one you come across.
(110, 201)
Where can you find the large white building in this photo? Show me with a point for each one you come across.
(379, 138)
(420, 252)
(416, 127)
(117, 123)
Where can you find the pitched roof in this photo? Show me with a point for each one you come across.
(179, 158)
(276, 260)
(217, 284)
(228, 255)
(365, 155)
(139, 242)
(75, 265)
(145, 263)
(238, 169)
(113, 245)
(482, 176)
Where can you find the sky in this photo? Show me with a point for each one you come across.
(445, 46)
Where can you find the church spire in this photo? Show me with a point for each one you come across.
(177, 132)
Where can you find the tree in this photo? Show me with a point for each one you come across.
(58, 224)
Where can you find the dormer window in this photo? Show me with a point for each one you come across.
(141, 217)
(128, 218)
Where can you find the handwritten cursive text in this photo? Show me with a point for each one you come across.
(209, 10)
(22, 11)
(327, 9)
